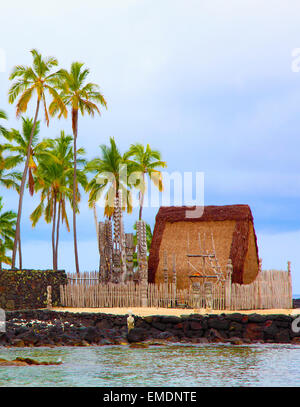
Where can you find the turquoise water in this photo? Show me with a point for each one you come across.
(170, 365)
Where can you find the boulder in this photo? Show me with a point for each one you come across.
(159, 325)
(218, 323)
(214, 335)
(19, 343)
(236, 341)
(170, 320)
(235, 327)
(103, 324)
(137, 335)
(236, 317)
(254, 332)
(257, 318)
(195, 326)
(282, 336)
(165, 335)
(270, 330)
(202, 340)
(148, 319)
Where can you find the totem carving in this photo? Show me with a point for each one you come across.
(142, 259)
(119, 246)
(129, 248)
(105, 250)
(117, 249)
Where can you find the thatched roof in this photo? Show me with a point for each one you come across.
(241, 249)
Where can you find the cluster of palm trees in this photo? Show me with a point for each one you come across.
(55, 168)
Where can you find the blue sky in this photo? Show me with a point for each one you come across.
(208, 83)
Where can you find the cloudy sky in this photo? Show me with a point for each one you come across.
(208, 83)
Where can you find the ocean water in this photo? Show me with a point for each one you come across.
(170, 365)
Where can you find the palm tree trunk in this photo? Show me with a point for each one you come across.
(57, 234)
(53, 235)
(22, 188)
(142, 199)
(96, 221)
(20, 253)
(75, 131)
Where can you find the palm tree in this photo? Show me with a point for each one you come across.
(30, 80)
(3, 116)
(7, 233)
(80, 97)
(109, 178)
(146, 161)
(8, 180)
(18, 144)
(54, 179)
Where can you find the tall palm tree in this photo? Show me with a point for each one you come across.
(109, 178)
(29, 80)
(19, 144)
(54, 180)
(9, 179)
(146, 161)
(81, 97)
(7, 233)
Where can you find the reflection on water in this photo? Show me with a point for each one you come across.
(172, 365)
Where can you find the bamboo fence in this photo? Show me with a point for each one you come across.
(271, 289)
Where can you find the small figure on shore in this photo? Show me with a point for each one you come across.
(130, 321)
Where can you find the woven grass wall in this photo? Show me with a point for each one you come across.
(175, 238)
(234, 238)
(250, 264)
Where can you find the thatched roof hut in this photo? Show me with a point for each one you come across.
(234, 237)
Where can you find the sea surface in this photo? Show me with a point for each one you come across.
(170, 365)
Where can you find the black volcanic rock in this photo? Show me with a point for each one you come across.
(137, 335)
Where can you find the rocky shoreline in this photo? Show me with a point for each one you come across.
(51, 328)
(26, 362)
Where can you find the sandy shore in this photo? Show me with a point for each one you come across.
(142, 312)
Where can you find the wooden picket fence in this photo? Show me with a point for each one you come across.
(88, 294)
(271, 289)
(83, 295)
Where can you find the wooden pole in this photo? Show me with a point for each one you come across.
(229, 269)
(290, 285)
(174, 280)
(165, 267)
